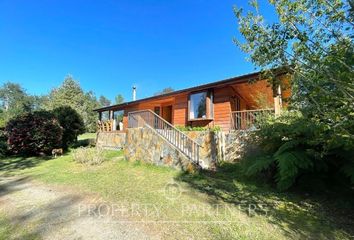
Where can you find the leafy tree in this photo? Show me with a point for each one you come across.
(68, 94)
(2, 119)
(119, 99)
(14, 101)
(71, 94)
(3, 144)
(164, 91)
(313, 41)
(88, 115)
(39, 102)
(72, 124)
(103, 101)
(34, 133)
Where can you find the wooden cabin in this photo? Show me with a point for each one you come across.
(230, 104)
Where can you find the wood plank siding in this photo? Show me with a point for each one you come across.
(227, 96)
(180, 110)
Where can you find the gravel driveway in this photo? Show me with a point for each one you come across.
(58, 213)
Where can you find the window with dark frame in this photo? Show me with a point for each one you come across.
(201, 105)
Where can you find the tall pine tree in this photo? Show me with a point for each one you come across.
(71, 94)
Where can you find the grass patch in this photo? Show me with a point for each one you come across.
(84, 140)
(86, 136)
(327, 216)
(13, 165)
(11, 230)
(221, 205)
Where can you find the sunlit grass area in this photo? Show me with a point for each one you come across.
(86, 136)
(208, 205)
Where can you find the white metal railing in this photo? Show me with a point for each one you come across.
(184, 143)
(241, 120)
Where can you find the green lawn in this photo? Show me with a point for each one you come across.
(208, 205)
(87, 136)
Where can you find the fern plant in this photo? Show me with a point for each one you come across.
(293, 147)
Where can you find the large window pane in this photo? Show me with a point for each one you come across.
(211, 105)
(198, 105)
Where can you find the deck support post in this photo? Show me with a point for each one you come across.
(277, 101)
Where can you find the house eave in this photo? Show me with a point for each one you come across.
(228, 81)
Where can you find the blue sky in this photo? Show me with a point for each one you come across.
(111, 45)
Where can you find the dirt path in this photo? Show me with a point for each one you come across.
(55, 213)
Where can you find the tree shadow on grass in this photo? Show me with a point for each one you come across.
(14, 163)
(10, 186)
(11, 164)
(33, 220)
(317, 217)
(37, 221)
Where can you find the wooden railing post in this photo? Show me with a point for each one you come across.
(246, 118)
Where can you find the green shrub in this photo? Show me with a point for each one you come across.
(90, 142)
(294, 148)
(3, 149)
(3, 144)
(34, 133)
(189, 128)
(89, 156)
(72, 124)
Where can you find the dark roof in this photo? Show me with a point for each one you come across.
(241, 78)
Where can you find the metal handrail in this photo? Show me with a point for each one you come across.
(169, 124)
(245, 119)
(180, 140)
(255, 110)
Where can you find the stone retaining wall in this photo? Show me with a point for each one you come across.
(114, 140)
(209, 150)
(146, 145)
(235, 145)
(220, 147)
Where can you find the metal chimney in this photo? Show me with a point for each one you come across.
(134, 93)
